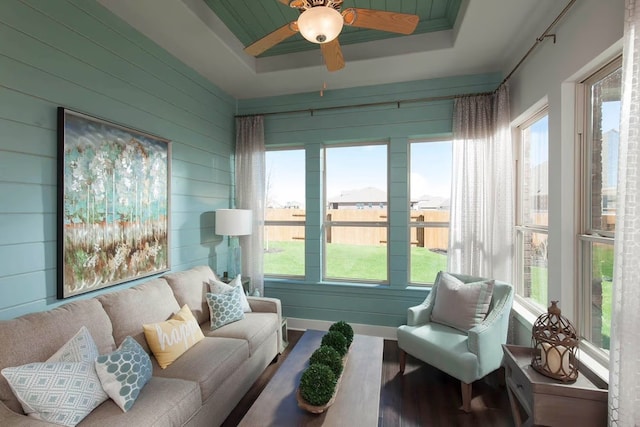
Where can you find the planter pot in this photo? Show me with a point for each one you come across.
(303, 404)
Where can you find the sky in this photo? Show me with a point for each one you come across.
(356, 167)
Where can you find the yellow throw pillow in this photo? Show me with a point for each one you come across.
(171, 339)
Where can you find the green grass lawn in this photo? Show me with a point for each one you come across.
(355, 262)
(351, 262)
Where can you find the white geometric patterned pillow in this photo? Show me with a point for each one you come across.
(218, 287)
(124, 372)
(57, 392)
(65, 388)
(80, 348)
(225, 308)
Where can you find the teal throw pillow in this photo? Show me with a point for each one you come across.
(226, 307)
(124, 372)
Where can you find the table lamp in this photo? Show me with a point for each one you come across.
(234, 223)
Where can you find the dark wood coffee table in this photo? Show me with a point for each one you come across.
(358, 398)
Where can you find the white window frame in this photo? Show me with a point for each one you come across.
(288, 223)
(373, 224)
(422, 224)
(521, 228)
(587, 235)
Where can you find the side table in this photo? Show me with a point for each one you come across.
(548, 402)
(285, 336)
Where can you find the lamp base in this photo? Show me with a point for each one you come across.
(234, 257)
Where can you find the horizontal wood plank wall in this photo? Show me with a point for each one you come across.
(311, 297)
(76, 54)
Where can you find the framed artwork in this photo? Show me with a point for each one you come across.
(113, 204)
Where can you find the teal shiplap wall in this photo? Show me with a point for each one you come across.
(397, 123)
(78, 55)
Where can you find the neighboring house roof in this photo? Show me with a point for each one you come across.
(363, 195)
(430, 202)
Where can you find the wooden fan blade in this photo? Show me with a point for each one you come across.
(392, 22)
(332, 55)
(272, 39)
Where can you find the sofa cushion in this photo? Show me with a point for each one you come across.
(50, 330)
(461, 305)
(169, 340)
(164, 402)
(225, 308)
(190, 287)
(129, 309)
(124, 373)
(209, 363)
(255, 328)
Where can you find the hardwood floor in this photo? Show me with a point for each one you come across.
(423, 396)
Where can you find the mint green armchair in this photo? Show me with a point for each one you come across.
(467, 356)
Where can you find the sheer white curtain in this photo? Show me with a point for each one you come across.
(482, 205)
(250, 176)
(624, 358)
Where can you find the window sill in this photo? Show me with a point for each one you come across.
(528, 318)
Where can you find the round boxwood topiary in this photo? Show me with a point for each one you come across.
(317, 384)
(327, 355)
(336, 340)
(345, 329)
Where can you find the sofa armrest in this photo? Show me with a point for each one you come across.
(269, 305)
(265, 305)
(10, 418)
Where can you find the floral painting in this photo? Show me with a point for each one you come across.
(113, 204)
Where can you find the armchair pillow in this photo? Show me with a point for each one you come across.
(461, 305)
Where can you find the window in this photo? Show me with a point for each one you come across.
(430, 190)
(532, 218)
(355, 220)
(601, 135)
(284, 229)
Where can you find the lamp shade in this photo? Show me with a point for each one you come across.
(320, 24)
(233, 222)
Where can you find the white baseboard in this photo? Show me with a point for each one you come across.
(386, 332)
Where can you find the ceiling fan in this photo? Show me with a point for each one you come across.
(321, 22)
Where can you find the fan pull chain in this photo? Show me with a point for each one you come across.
(324, 87)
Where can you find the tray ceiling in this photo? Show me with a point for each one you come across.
(250, 20)
(483, 36)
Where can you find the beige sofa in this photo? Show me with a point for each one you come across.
(200, 388)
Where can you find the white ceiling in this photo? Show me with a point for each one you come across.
(489, 36)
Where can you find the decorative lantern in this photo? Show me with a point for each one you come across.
(555, 343)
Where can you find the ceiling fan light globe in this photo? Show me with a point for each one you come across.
(320, 24)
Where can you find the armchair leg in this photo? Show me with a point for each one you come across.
(403, 360)
(466, 396)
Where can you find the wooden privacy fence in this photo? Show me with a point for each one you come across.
(425, 237)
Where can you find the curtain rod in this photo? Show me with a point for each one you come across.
(539, 40)
(370, 104)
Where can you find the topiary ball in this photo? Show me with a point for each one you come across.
(317, 384)
(327, 355)
(345, 329)
(336, 340)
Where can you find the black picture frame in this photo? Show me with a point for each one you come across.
(113, 204)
